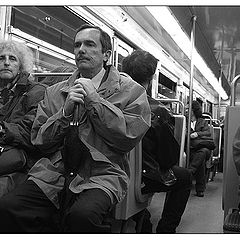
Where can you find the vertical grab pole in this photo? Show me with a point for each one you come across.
(194, 18)
(221, 72)
(219, 97)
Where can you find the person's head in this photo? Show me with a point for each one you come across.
(92, 49)
(15, 57)
(140, 66)
(196, 109)
(51, 80)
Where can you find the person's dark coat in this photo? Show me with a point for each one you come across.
(202, 128)
(159, 147)
(18, 114)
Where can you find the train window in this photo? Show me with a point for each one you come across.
(166, 86)
(53, 24)
(46, 57)
(121, 50)
(209, 107)
(46, 62)
(48, 31)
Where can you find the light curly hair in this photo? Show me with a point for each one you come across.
(23, 52)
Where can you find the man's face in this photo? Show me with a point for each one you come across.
(88, 52)
(9, 65)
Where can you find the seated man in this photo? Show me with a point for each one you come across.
(19, 97)
(113, 116)
(141, 66)
(198, 155)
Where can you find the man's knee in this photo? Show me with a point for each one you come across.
(183, 175)
(7, 206)
(82, 214)
(82, 220)
(86, 214)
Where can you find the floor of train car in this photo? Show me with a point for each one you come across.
(202, 215)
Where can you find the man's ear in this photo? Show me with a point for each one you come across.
(107, 55)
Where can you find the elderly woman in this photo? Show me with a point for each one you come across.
(198, 157)
(19, 97)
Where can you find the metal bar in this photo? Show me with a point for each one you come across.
(51, 74)
(208, 117)
(221, 73)
(172, 100)
(194, 18)
(233, 90)
(216, 120)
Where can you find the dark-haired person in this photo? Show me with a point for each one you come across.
(114, 115)
(141, 66)
(198, 157)
(19, 98)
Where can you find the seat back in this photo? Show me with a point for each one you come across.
(217, 132)
(180, 134)
(134, 201)
(180, 127)
(230, 198)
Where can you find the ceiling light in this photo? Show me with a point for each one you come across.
(168, 22)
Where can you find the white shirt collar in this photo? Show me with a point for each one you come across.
(193, 124)
(96, 80)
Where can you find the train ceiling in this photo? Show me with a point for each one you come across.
(217, 36)
(183, 14)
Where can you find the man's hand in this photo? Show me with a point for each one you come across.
(76, 95)
(86, 84)
(194, 135)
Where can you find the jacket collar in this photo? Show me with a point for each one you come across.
(21, 83)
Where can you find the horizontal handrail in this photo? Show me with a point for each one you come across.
(216, 120)
(209, 117)
(51, 74)
(169, 100)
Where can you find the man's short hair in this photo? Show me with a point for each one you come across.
(140, 66)
(104, 37)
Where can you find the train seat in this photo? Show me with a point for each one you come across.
(210, 160)
(180, 134)
(232, 221)
(230, 198)
(135, 203)
(217, 137)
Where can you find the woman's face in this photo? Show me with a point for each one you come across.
(9, 65)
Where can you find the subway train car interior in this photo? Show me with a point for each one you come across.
(198, 53)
